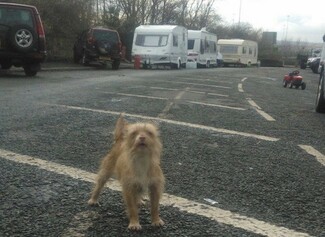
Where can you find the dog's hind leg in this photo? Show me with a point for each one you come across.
(105, 172)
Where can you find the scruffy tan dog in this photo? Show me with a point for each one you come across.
(135, 160)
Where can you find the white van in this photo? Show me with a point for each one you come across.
(160, 45)
(238, 52)
(202, 48)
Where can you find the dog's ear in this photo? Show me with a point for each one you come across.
(120, 127)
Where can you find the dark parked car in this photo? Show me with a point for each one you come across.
(313, 63)
(320, 99)
(98, 44)
(22, 38)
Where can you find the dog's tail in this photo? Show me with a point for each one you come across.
(120, 128)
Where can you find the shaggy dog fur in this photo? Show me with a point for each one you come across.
(135, 160)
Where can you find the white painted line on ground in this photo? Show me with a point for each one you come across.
(202, 127)
(205, 79)
(208, 93)
(165, 111)
(80, 223)
(312, 151)
(240, 87)
(252, 103)
(260, 111)
(244, 79)
(197, 84)
(214, 213)
(178, 97)
(163, 88)
(138, 96)
(215, 105)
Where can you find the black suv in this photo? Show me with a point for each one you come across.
(22, 38)
(98, 44)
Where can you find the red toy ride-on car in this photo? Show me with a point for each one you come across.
(293, 79)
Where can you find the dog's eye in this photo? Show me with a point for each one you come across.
(134, 133)
(150, 133)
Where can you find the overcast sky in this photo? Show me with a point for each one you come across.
(292, 19)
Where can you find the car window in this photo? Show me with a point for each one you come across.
(10, 16)
(106, 35)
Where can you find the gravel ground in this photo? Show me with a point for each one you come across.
(275, 182)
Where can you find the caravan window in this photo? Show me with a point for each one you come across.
(244, 50)
(151, 40)
(190, 44)
(175, 40)
(228, 49)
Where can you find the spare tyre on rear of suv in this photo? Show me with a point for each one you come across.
(22, 38)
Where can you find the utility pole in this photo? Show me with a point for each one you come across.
(240, 1)
(286, 35)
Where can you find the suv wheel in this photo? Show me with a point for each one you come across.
(31, 69)
(76, 57)
(6, 65)
(320, 101)
(115, 64)
(22, 38)
(84, 58)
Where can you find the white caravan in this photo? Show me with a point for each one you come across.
(160, 45)
(202, 48)
(238, 52)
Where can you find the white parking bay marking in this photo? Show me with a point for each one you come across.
(80, 223)
(167, 108)
(185, 124)
(260, 111)
(240, 87)
(198, 84)
(217, 214)
(312, 151)
(216, 105)
(138, 96)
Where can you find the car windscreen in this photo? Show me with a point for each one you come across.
(228, 49)
(105, 35)
(15, 16)
(151, 40)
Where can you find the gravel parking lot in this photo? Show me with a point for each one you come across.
(230, 169)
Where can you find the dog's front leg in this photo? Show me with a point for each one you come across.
(131, 201)
(155, 192)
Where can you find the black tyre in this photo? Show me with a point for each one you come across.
(6, 65)
(320, 101)
(31, 69)
(303, 65)
(315, 69)
(84, 59)
(76, 57)
(116, 64)
(303, 85)
(22, 38)
(285, 83)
